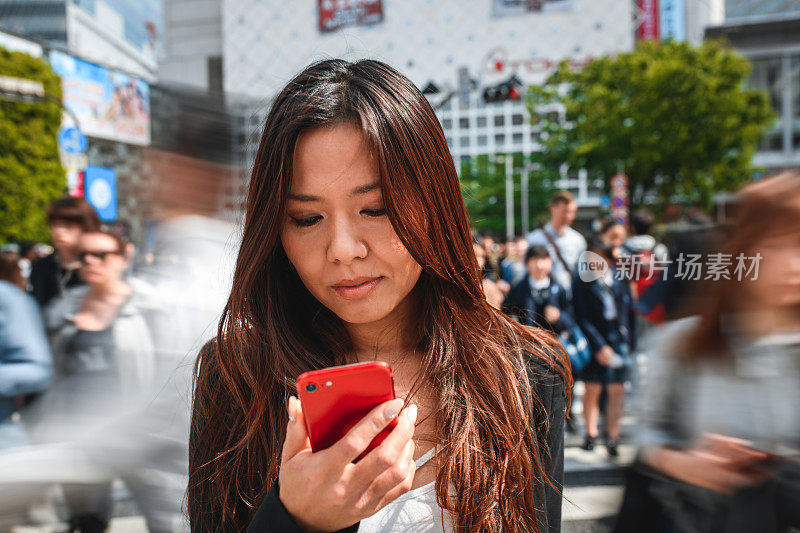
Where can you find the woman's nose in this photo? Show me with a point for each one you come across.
(346, 243)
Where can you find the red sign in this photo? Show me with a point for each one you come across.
(335, 14)
(619, 198)
(648, 20)
(497, 61)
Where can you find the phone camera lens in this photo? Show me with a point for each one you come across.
(311, 387)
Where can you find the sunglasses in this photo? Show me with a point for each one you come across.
(97, 255)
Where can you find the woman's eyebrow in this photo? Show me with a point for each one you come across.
(364, 189)
(361, 189)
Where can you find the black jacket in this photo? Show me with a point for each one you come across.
(588, 301)
(272, 517)
(521, 303)
(45, 275)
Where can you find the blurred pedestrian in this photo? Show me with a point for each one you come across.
(493, 293)
(513, 265)
(613, 233)
(27, 255)
(604, 312)
(26, 365)
(104, 359)
(564, 243)
(68, 219)
(492, 257)
(721, 433)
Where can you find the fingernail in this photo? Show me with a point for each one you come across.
(411, 413)
(292, 408)
(393, 408)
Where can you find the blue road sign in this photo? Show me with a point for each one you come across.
(100, 184)
(72, 141)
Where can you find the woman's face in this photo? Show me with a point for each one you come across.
(336, 232)
(615, 235)
(102, 260)
(778, 281)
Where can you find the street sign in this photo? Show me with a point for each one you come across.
(72, 141)
(619, 198)
(100, 184)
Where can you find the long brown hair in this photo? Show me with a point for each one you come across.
(766, 208)
(273, 329)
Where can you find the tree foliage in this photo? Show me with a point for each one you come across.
(483, 185)
(31, 175)
(675, 118)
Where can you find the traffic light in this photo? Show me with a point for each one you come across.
(508, 90)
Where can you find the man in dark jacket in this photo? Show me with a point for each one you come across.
(68, 219)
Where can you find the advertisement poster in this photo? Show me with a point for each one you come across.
(335, 14)
(107, 103)
(672, 20)
(648, 20)
(504, 8)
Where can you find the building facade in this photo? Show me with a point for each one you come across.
(122, 34)
(768, 33)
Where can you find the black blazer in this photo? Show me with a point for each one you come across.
(272, 517)
(520, 303)
(588, 301)
(44, 279)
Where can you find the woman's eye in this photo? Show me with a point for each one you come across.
(374, 212)
(305, 222)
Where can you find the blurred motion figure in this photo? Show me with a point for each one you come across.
(721, 440)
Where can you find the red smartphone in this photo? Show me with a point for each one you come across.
(335, 399)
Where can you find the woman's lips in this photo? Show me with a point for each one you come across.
(356, 292)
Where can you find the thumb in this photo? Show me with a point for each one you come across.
(296, 434)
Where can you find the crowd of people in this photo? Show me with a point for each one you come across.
(716, 431)
(536, 280)
(95, 365)
(81, 332)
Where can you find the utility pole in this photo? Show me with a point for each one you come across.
(509, 165)
(525, 207)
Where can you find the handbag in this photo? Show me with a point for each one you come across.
(577, 347)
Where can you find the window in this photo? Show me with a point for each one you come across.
(464, 142)
(481, 122)
(767, 75)
(499, 120)
(447, 123)
(517, 119)
(463, 123)
(499, 138)
(483, 140)
(516, 138)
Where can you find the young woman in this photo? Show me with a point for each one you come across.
(356, 247)
(604, 311)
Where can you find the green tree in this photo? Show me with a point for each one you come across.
(675, 118)
(484, 188)
(30, 171)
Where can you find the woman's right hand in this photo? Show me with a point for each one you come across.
(326, 491)
(605, 355)
(719, 463)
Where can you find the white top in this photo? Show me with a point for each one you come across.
(415, 511)
(538, 284)
(570, 243)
